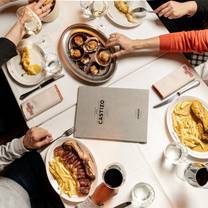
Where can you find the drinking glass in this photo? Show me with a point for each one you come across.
(86, 8)
(142, 195)
(94, 10)
(196, 174)
(52, 66)
(176, 153)
(98, 10)
(114, 175)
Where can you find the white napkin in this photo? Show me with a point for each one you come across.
(174, 81)
(41, 102)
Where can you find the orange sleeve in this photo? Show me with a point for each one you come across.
(191, 41)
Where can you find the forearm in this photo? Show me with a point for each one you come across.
(150, 43)
(7, 50)
(191, 7)
(191, 41)
(11, 151)
(16, 33)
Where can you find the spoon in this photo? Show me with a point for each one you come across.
(140, 10)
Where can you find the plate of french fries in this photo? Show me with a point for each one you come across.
(71, 169)
(187, 122)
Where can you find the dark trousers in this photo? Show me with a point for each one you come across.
(29, 171)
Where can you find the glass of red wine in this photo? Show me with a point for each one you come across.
(114, 175)
(196, 174)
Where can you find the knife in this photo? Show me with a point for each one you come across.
(193, 84)
(125, 204)
(43, 84)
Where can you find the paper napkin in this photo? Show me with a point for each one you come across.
(174, 81)
(41, 102)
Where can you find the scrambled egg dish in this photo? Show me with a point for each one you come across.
(30, 69)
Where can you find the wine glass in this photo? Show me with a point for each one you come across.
(94, 10)
(86, 9)
(98, 10)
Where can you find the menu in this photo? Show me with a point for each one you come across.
(117, 114)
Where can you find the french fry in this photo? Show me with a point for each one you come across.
(189, 129)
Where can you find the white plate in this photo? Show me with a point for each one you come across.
(200, 155)
(50, 156)
(18, 73)
(120, 19)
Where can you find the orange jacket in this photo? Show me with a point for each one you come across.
(191, 41)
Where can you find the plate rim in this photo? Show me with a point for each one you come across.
(10, 67)
(64, 58)
(174, 136)
(49, 154)
(129, 26)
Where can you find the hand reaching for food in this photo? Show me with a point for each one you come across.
(126, 44)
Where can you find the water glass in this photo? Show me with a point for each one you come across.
(142, 195)
(53, 65)
(176, 153)
(196, 174)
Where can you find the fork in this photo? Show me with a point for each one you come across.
(68, 132)
(140, 10)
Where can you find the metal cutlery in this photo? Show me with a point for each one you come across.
(140, 10)
(125, 204)
(68, 132)
(43, 84)
(191, 85)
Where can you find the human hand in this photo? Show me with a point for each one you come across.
(175, 10)
(39, 8)
(124, 42)
(36, 138)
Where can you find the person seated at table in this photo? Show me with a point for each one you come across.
(12, 123)
(183, 15)
(24, 183)
(189, 41)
